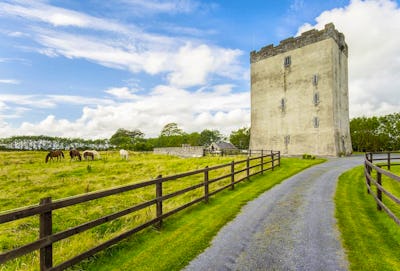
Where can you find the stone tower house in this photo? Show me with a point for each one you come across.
(299, 95)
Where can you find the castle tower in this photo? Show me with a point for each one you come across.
(299, 95)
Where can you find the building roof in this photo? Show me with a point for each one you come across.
(224, 145)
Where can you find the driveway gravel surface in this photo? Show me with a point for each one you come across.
(290, 227)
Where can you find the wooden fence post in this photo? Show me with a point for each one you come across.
(248, 167)
(159, 205)
(232, 175)
(279, 158)
(378, 190)
(46, 229)
(206, 184)
(262, 162)
(368, 168)
(273, 160)
(388, 160)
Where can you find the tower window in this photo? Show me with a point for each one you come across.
(287, 140)
(316, 122)
(316, 98)
(315, 79)
(283, 104)
(287, 61)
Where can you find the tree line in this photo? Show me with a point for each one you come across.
(173, 136)
(170, 136)
(376, 133)
(367, 134)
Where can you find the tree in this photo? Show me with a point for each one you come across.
(376, 133)
(240, 138)
(171, 129)
(127, 139)
(209, 136)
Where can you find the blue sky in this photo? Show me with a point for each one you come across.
(86, 68)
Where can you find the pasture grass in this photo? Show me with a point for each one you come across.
(25, 179)
(371, 238)
(188, 233)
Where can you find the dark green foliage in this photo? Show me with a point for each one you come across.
(308, 156)
(240, 138)
(171, 129)
(126, 139)
(209, 136)
(376, 133)
(43, 142)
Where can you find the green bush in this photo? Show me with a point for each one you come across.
(308, 156)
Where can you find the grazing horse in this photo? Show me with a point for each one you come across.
(75, 154)
(56, 153)
(87, 154)
(124, 154)
(96, 154)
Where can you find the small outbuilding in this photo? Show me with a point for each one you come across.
(222, 147)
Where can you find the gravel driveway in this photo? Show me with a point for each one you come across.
(290, 227)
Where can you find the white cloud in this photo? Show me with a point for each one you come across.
(193, 64)
(39, 11)
(47, 101)
(122, 93)
(156, 6)
(214, 108)
(371, 28)
(185, 62)
(9, 81)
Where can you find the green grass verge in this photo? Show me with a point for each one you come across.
(188, 233)
(371, 238)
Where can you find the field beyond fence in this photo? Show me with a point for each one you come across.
(143, 204)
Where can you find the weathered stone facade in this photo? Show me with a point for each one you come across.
(299, 95)
(185, 151)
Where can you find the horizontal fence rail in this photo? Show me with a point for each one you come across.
(260, 162)
(383, 159)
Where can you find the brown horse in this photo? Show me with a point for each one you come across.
(75, 154)
(87, 154)
(56, 153)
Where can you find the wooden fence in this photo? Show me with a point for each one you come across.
(265, 160)
(385, 159)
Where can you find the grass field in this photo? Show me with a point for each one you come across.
(371, 238)
(25, 179)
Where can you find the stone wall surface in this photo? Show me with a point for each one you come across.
(304, 39)
(190, 151)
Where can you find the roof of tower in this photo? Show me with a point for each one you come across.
(304, 39)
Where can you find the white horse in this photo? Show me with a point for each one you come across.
(95, 153)
(124, 154)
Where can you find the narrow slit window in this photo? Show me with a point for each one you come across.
(316, 98)
(287, 61)
(315, 79)
(287, 140)
(316, 122)
(283, 105)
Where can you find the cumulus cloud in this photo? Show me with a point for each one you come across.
(122, 93)
(371, 28)
(213, 108)
(186, 62)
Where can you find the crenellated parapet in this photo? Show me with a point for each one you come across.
(304, 39)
